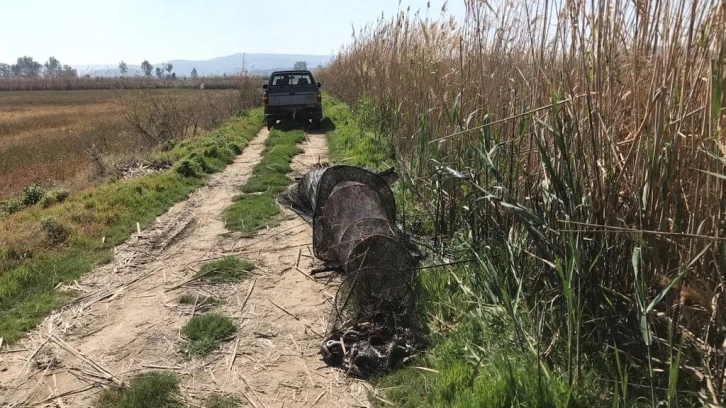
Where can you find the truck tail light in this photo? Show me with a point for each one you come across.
(320, 97)
(266, 98)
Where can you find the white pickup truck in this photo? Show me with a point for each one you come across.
(292, 95)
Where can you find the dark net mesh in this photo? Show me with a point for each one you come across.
(373, 327)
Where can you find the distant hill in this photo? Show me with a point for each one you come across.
(261, 64)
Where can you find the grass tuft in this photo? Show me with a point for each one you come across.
(189, 299)
(54, 196)
(188, 168)
(252, 212)
(153, 389)
(223, 401)
(55, 231)
(32, 195)
(204, 333)
(229, 269)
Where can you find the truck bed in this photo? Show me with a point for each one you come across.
(292, 96)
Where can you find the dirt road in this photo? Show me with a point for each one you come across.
(126, 319)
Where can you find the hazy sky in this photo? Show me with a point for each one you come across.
(105, 32)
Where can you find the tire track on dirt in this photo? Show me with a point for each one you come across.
(125, 320)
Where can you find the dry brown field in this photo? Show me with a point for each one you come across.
(45, 136)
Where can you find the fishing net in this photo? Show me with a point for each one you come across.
(352, 210)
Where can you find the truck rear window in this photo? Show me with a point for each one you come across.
(291, 80)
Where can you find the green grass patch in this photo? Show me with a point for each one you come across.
(189, 299)
(204, 333)
(251, 212)
(349, 142)
(269, 175)
(223, 401)
(257, 207)
(229, 269)
(479, 359)
(153, 389)
(42, 247)
(27, 291)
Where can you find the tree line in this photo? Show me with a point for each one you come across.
(27, 67)
(147, 68)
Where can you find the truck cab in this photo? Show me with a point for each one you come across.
(292, 95)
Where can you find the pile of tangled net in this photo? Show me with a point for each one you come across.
(374, 327)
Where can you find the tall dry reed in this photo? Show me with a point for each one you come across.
(578, 149)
